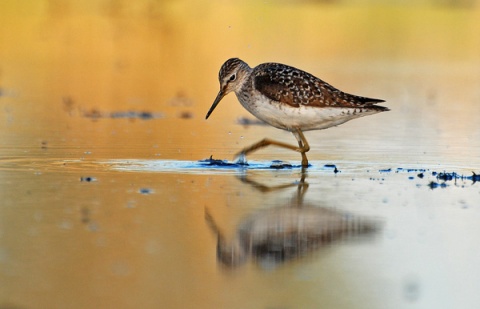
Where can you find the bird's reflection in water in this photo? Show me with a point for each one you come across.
(277, 235)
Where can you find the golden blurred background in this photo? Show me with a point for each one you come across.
(117, 53)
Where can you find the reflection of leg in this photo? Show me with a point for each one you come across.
(212, 224)
(265, 188)
(303, 146)
(302, 188)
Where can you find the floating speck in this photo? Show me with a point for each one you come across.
(335, 170)
(144, 115)
(247, 121)
(277, 164)
(410, 170)
(145, 191)
(185, 115)
(88, 179)
(434, 185)
(85, 215)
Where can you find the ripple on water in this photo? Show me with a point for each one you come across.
(357, 170)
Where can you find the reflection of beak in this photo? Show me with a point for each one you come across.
(219, 97)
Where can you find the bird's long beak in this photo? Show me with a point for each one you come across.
(219, 97)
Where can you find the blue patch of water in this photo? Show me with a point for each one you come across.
(218, 166)
(275, 164)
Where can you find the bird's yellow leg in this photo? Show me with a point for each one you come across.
(303, 147)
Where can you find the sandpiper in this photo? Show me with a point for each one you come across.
(289, 99)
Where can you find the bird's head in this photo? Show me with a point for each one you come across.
(232, 76)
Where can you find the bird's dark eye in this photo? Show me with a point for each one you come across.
(232, 78)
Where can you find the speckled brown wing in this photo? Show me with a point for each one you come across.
(295, 87)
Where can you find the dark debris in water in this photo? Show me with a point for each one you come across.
(145, 191)
(88, 179)
(185, 115)
(447, 176)
(475, 177)
(248, 121)
(441, 178)
(143, 115)
(335, 170)
(454, 176)
(220, 163)
(434, 185)
(276, 164)
(401, 169)
(410, 170)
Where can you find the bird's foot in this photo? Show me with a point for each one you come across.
(241, 159)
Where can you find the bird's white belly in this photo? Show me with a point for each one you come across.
(286, 117)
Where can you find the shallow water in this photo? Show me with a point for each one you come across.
(116, 193)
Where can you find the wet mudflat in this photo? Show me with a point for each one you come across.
(201, 233)
(117, 193)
